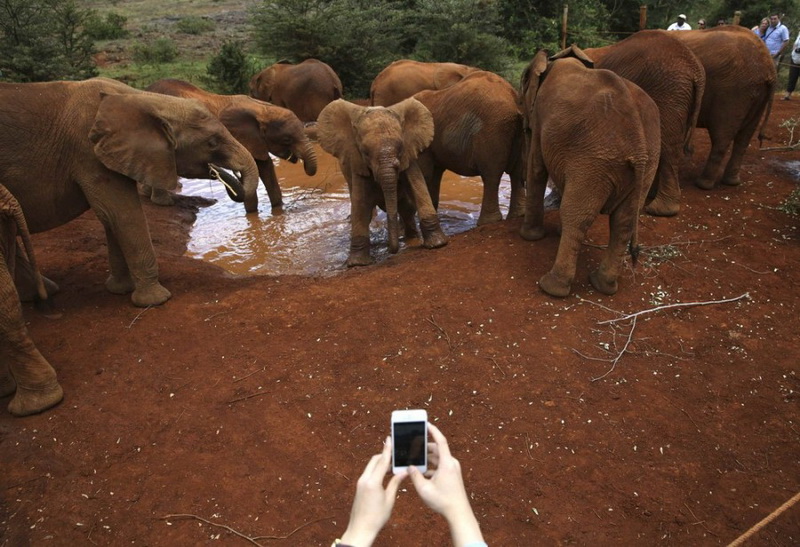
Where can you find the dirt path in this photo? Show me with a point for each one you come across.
(254, 403)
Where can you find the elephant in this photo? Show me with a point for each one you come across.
(24, 371)
(598, 137)
(261, 127)
(304, 88)
(478, 131)
(70, 146)
(403, 78)
(668, 71)
(377, 149)
(740, 81)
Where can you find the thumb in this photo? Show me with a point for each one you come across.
(394, 484)
(417, 478)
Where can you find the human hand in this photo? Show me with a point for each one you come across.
(444, 491)
(373, 504)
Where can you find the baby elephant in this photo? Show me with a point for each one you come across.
(22, 368)
(597, 136)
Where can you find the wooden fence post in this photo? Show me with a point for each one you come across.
(643, 17)
(737, 16)
(564, 27)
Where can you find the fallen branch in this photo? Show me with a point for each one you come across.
(258, 394)
(679, 305)
(253, 540)
(619, 356)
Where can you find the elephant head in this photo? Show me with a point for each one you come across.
(154, 138)
(266, 129)
(377, 144)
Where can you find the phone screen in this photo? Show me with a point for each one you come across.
(409, 444)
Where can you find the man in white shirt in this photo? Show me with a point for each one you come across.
(776, 37)
(680, 24)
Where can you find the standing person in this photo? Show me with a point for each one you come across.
(794, 69)
(761, 29)
(680, 24)
(776, 37)
(444, 492)
(701, 24)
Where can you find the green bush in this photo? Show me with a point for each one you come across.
(195, 25)
(230, 70)
(162, 50)
(109, 28)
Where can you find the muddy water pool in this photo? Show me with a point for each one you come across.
(310, 235)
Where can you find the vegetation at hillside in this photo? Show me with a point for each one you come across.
(221, 43)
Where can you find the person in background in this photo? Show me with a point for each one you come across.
(701, 24)
(794, 69)
(761, 29)
(444, 492)
(680, 24)
(776, 37)
(721, 22)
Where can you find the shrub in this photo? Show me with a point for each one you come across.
(195, 25)
(229, 71)
(162, 50)
(109, 28)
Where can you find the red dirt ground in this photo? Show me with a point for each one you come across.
(255, 402)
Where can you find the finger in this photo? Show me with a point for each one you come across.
(441, 441)
(384, 459)
(371, 465)
(394, 484)
(416, 478)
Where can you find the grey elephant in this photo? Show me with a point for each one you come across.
(24, 371)
(405, 77)
(377, 149)
(478, 132)
(740, 85)
(597, 136)
(261, 127)
(667, 70)
(304, 88)
(70, 146)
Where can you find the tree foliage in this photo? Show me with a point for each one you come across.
(230, 70)
(44, 40)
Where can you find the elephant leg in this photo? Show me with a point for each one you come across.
(361, 208)
(131, 256)
(490, 204)
(720, 142)
(25, 279)
(533, 224)
(432, 234)
(266, 170)
(667, 202)
(740, 143)
(408, 211)
(32, 377)
(622, 222)
(579, 206)
(516, 204)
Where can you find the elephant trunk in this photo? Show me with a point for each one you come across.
(307, 153)
(250, 183)
(387, 178)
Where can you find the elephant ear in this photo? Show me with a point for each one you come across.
(132, 139)
(577, 53)
(417, 124)
(337, 135)
(245, 128)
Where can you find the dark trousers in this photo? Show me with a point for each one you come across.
(794, 72)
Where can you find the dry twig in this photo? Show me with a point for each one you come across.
(253, 540)
(257, 394)
(433, 322)
(135, 319)
(679, 305)
(621, 353)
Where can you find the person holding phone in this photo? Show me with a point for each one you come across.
(441, 489)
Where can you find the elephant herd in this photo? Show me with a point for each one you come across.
(606, 128)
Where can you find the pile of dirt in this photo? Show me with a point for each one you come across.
(253, 403)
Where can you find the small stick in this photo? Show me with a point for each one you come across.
(751, 269)
(527, 445)
(679, 305)
(287, 536)
(625, 347)
(201, 519)
(138, 316)
(492, 359)
(258, 394)
(433, 322)
(249, 375)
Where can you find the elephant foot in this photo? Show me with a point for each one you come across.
(162, 197)
(731, 181)
(432, 235)
(516, 213)
(28, 293)
(359, 259)
(705, 184)
(531, 233)
(602, 283)
(489, 218)
(29, 401)
(554, 285)
(119, 285)
(152, 295)
(7, 385)
(660, 207)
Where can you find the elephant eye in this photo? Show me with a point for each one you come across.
(213, 142)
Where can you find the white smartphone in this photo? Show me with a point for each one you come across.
(409, 440)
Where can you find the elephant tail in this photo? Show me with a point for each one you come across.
(770, 99)
(42, 301)
(698, 88)
(642, 186)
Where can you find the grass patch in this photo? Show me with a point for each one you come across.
(791, 205)
(141, 76)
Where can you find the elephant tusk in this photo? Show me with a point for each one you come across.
(220, 175)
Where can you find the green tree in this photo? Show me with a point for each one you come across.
(44, 40)
(229, 71)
